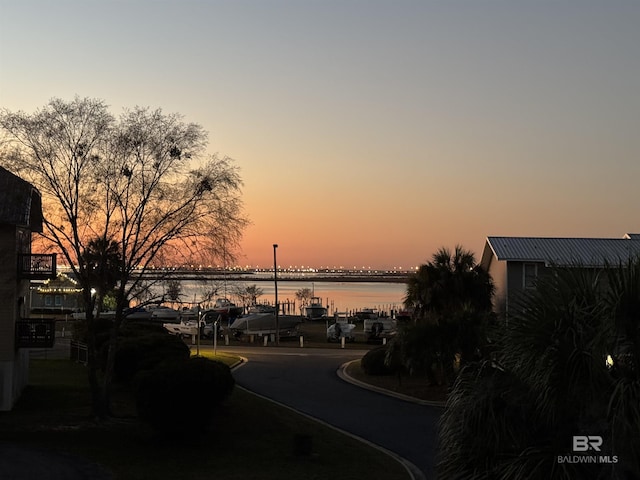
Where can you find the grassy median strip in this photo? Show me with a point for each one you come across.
(251, 438)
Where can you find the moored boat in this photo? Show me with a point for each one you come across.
(262, 308)
(225, 307)
(164, 313)
(315, 309)
(265, 324)
(367, 314)
(341, 328)
(378, 329)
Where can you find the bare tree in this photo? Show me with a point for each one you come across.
(174, 290)
(304, 296)
(208, 290)
(248, 294)
(142, 182)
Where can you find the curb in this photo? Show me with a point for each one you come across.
(239, 363)
(342, 373)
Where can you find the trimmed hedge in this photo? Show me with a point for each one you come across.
(177, 395)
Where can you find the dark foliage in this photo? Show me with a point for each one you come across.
(101, 327)
(448, 283)
(102, 261)
(136, 353)
(374, 362)
(176, 395)
(141, 328)
(451, 298)
(564, 364)
(418, 348)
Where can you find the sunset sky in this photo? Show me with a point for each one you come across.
(369, 133)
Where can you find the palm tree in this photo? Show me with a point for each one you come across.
(513, 415)
(624, 348)
(453, 294)
(448, 283)
(103, 264)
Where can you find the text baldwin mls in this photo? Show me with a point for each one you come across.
(584, 443)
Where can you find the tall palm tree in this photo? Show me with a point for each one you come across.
(103, 263)
(447, 283)
(452, 294)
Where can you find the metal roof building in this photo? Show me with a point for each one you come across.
(585, 252)
(515, 263)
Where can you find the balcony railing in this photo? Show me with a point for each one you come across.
(35, 333)
(37, 266)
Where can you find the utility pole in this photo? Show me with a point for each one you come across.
(275, 281)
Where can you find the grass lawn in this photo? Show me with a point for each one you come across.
(251, 437)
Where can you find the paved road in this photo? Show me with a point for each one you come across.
(306, 380)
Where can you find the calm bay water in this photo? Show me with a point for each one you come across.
(338, 296)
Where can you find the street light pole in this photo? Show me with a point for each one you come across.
(275, 281)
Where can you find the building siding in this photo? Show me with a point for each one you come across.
(8, 286)
(20, 214)
(498, 272)
(14, 364)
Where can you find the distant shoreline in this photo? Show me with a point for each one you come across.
(266, 276)
(282, 277)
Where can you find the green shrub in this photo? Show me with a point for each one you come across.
(177, 395)
(373, 363)
(143, 352)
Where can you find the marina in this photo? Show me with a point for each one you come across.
(341, 296)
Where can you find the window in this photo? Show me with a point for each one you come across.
(530, 274)
(48, 301)
(58, 300)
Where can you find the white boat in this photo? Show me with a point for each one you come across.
(190, 327)
(262, 308)
(367, 314)
(265, 324)
(189, 314)
(315, 309)
(182, 328)
(137, 313)
(224, 311)
(226, 308)
(160, 312)
(341, 328)
(376, 329)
